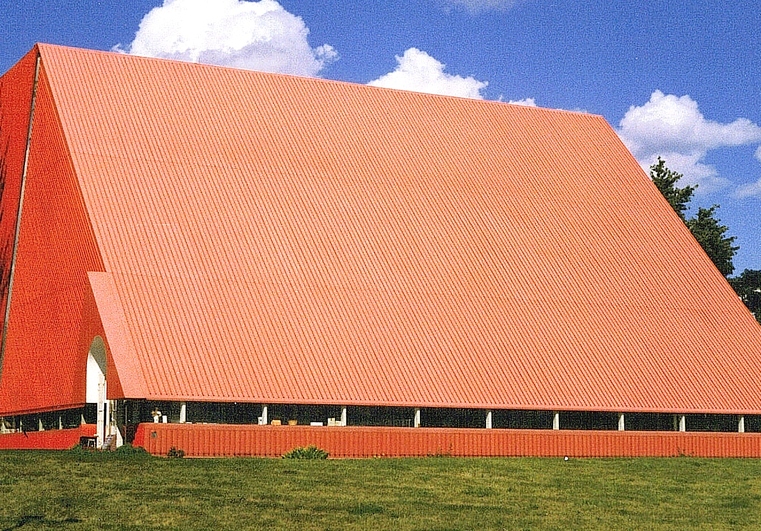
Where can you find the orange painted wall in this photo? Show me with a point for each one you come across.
(213, 440)
(15, 103)
(51, 325)
(46, 440)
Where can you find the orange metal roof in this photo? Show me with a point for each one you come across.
(279, 239)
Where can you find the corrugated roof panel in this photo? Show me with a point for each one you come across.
(280, 239)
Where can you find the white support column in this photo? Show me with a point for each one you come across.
(556, 420)
(264, 415)
(741, 424)
(621, 423)
(183, 412)
(39, 425)
(101, 421)
(113, 423)
(488, 420)
(417, 417)
(682, 422)
(60, 422)
(107, 420)
(344, 416)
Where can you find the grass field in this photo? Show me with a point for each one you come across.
(76, 490)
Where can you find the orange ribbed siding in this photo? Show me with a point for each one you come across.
(210, 440)
(16, 88)
(46, 440)
(53, 319)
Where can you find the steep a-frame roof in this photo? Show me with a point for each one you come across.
(267, 238)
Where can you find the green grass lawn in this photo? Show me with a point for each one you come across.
(75, 490)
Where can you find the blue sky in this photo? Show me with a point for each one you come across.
(677, 79)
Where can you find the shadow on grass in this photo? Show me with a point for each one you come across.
(39, 519)
(364, 509)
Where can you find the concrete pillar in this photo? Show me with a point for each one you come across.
(183, 412)
(681, 421)
(741, 424)
(488, 419)
(39, 425)
(621, 423)
(344, 416)
(556, 420)
(417, 417)
(264, 415)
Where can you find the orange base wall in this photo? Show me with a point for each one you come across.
(46, 440)
(218, 440)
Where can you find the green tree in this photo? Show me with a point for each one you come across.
(748, 288)
(705, 226)
(711, 235)
(665, 180)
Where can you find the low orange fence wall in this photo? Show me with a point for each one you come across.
(217, 440)
(46, 440)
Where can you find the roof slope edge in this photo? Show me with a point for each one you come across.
(118, 338)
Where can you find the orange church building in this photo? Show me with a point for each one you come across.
(236, 263)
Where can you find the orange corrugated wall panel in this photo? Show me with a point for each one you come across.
(276, 239)
(51, 325)
(209, 440)
(46, 440)
(16, 88)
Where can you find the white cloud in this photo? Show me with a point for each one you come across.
(419, 72)
(674, 128)
(477, 6)
(526, 102)
(748, 190)
(236, 33)
(752, 189)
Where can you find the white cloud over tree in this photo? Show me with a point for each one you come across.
(236, 33)
(417, 71)
(674, 128)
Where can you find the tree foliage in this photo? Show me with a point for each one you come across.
(666, 179)
(705, 226)
(711, 235)
(748, 288)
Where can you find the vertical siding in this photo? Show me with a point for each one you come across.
(51, 323)
(16, 88)
(208, 440)
(46, 440)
